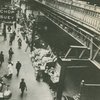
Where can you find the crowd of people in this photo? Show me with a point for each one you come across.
(9, 69)
(9, 74)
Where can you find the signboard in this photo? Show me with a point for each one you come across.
(7, 15)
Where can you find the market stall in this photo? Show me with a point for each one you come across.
(46, 67)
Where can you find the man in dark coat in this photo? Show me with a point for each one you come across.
(22, 86)
(18, 66)
(11, 39)
(19, 43)
(1, 58)
(10, 54)
(4, 32)
(14, 34)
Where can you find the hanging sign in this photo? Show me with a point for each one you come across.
(7, 15)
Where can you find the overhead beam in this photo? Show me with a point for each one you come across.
(68, 52)
(81, 53)
(76, 62)
(78, 47)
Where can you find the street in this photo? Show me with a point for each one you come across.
(35, 90)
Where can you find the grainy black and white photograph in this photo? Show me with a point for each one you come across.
(49, 50)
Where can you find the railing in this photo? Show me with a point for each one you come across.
(77, 33)
(82, 4)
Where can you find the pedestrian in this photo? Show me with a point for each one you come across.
(10, 54)
(19, 43)
(11, 39)
(22, 86)
(9, 28)
(14, 34)
(39, 74)
(28, 43)
(4, 32)
(1, 58)
(23, 34)
(10, 71)
(15, 25)
(18, 66)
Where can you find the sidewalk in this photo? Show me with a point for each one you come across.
(1, 38)
(36, 90)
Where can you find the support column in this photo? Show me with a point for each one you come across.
(91, 48)
(61, 80)
(68, 52)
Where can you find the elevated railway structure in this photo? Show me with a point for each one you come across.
(80, 22)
